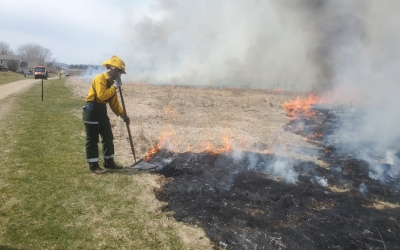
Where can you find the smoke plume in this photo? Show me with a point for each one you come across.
(346, 50)
(306, 45)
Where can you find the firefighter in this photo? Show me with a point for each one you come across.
(103, 90)
(59, 75)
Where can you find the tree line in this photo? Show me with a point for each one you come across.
(30, 50)
(33, 50)
(84, 66)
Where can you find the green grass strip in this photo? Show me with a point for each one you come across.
(9, 76)
(48, 198)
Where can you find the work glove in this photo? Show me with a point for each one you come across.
(117, 83)
(126, 118)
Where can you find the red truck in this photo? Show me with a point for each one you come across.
(41, 72)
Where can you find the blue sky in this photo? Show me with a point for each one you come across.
(86, 32)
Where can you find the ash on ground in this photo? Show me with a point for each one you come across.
(248, 200)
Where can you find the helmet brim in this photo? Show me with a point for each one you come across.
(115, 62)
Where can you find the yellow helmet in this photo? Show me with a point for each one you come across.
(115, 61)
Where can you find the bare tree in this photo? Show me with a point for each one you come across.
(35, 50)
(53, 63)
(5, 48)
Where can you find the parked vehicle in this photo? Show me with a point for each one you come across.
(41, 72)
(3, 68)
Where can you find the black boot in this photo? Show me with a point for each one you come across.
(96, 169)
(110, 164)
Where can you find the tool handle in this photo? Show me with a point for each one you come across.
(127, 124)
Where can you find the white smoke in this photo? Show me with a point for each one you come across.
(280, 168)
(88, 75)
(284, 170)
(363, 188)
(322, 181)
(348, 50)
(247, 43)
(303, 45)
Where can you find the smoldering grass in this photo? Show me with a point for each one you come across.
(363, 189)
(321, 181)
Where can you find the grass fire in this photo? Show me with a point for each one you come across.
(256, 168)
(252, 125)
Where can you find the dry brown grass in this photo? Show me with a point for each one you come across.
(146, 181)
(252, 119)
(197, 117)
(382, 205)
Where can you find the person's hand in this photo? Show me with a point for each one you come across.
(117, 83)
(126, 118)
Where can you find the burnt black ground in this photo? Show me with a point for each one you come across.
(241, 205)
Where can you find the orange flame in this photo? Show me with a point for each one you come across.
(151, 152)
(301, 104)
(164, 140)
(227, 142)
(168, 139)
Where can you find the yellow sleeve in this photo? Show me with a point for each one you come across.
(104, 94)
(114, 104)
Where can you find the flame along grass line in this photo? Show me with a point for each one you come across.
(302, 105)
(207, 147)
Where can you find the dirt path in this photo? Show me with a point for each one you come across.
(13, 88)
(16, 87)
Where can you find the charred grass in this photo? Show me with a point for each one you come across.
(238, 203)
(49, 200)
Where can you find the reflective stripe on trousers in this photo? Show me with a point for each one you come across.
(97, 124)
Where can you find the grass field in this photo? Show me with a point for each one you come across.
(6, 77)
(9, 76)
(48, 198)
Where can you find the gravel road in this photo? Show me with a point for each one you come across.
(15, 87)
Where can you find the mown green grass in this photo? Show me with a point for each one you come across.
(48, 198)
(9, 76)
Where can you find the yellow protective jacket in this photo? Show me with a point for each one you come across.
(104, 94)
